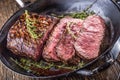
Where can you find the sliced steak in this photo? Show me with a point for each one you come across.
(65, 50)
(49, 52)
(88, 43)
(58, 47)
(28, 39)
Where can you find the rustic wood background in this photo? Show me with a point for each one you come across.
(7, 8)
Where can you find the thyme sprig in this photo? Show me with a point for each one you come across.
(30, 24)
(81, 15)
(27, 64)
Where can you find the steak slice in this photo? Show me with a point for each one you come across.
(49, 52)
(65, 49)
(58, 46)
(28, 41)
(88, 43)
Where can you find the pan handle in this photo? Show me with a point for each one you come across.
(22, 4)
(86, 72)
(118, 2)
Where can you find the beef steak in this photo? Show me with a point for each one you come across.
(87, 45)
(65, 49)
(23, 41)
(75, 36)
(59, 46)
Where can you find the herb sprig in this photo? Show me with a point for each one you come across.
(27, 64)
(30, 24)
(79, 15)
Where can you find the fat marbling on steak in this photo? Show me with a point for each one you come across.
(27, 37)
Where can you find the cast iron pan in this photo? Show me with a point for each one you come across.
(105, 8)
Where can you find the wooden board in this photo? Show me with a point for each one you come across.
(7, 8)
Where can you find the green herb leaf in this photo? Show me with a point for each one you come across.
(81, 15)
(30, 26)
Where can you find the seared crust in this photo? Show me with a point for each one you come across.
(19, 40)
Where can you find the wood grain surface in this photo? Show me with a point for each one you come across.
(7, 8)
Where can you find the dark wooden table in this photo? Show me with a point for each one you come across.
(7, 8)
